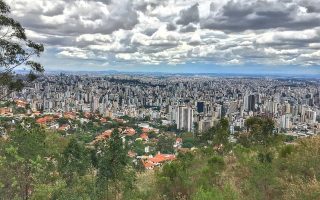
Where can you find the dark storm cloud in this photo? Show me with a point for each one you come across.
(189, 28)
(190, 15)
(56, 10)
(171, 27)
(255, 15)
(149, 31)
(107, 2)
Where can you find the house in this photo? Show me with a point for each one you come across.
(103, 136)
(144, 137)
(129, 132)
(5, 111)
(145, 130)
(158, 160)
(21, 103)
(178, 143)
(132, 154)
(69, 115)
(103, 120)
(64, 127)
(44, 120)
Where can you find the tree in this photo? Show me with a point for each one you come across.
(23, 163)
(188, 140)
(74, 161)
(215, 166)
(15, 50)
(138, 147)
(171, 180)
(260, 131)
(165, 144)
(222, 133)
(112, 163)
(218, 135)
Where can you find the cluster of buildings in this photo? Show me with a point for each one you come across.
(192, 103)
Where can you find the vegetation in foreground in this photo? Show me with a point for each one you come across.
(38, 164)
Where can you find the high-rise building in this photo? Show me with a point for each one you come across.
(285, 121)
(287, 108)
(310, 116)
(185, 118)
(233, 107)
(249, 102)
(200, 106)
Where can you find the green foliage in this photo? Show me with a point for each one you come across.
(188, 140)
(260, 131)
(172, 180)
(112, 163)
(165, 144)
(19, 110)
(37, 164)
(218, 136)
(138, 147)
(226, 193)
(16, 50)
(286, 151)
(25, 161)
(152, 135)
(62, 121)
(216, 164)
(74, 160)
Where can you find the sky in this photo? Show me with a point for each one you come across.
(217, 36)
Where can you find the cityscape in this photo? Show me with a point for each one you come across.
(159, 100)
(191, 103)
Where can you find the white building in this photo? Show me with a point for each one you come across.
(184, 118)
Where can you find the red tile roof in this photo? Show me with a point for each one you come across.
(130, 132)
(45, 120)
(159, 158)
(144, 136)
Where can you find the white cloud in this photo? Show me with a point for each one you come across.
(175, 31)
(234, 62)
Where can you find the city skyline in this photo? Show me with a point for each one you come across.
(191, 103)
(197, 36)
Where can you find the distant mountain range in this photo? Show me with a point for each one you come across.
(114, 72)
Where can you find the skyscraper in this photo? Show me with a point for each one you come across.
(249, 102)
(200, 106)
(185, 118)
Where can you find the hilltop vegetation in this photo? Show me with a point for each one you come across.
(259, 166)
(39, 164)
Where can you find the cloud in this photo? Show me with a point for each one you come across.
(190, 15)
(170, 32)
(189, 28)
(238, 16)
(75, 17)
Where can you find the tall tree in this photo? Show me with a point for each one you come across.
(222, 133)
(75, 160)
(260, 131)
(218, 135)
(112, 163)
(165, 144)
(22, 163)
(15, 50)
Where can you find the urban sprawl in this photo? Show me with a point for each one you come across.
(185, 103)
